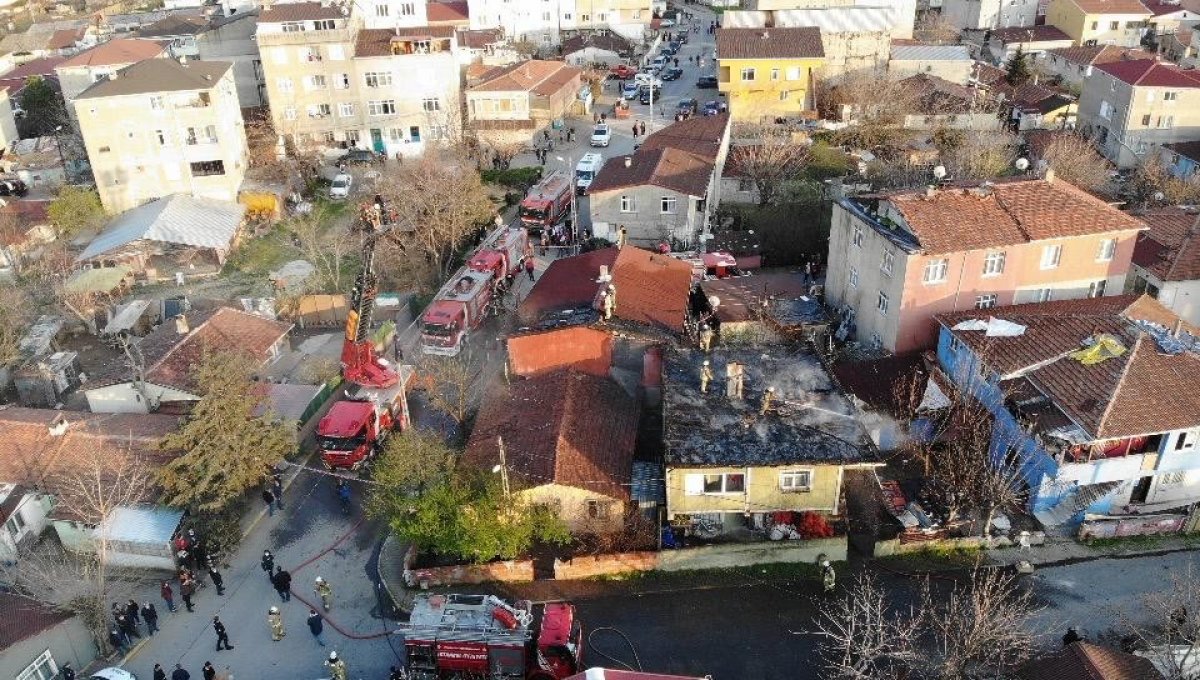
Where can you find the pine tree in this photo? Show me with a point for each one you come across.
(1017, 69)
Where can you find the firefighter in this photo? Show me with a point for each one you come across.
(828, 577)
(322, 588)
(337, 667)
(706, 337)
(768, 396)
(706, 376)
(608, 302)
(275, 619)
(622, 234)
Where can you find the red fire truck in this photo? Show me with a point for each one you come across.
(482, 636)
(501, 254)
(548, 202)
(710, 266)
(375, 404)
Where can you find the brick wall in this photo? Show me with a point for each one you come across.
(599, 565)
(511, 570)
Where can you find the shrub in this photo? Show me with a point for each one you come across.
(813, 525)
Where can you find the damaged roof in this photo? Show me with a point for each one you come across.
(746, 298)
(810, 421)
(564, 428)
(1170, 249)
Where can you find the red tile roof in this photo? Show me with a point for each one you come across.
(24, 618)
(117, 51)
(1171, 248)
(667, 168)
(67, 37)
(1005, 213)
(1116, 398)
(1150, 73)
(377, 42)
(479, 39)
(1100, 54)
(770, 43)
(1029, 34)
(699, 135)
(1112, 6)
(539, 77)
(281, 12)
(1159, 8)
(1085, 661)
(560, 428)
(447, 11)
(581, 348)
(15, 79)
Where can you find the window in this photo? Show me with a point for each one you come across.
(1096, 288)
(381, 107)
(993, 264)
(1051, 256)
(747, 74)
(730, 482)
(857, 238)
(293, 27)
(161, 136)
(439, 131)
(793, 73)
(335, 51)
(1166, 122)
(326, 25)
(379, 79)
(668, 205)
(628, 205)
(156, 103)
(414, 133)
(1186, 440)
(1106, 110)
(346, 109)
(42, 668)
(1043, 294)
(407, 9)
(1108, 248)
(341, 81)
(396, 135)
(985, 301)
(326, 137)
(545, 16)
(784, 94)
(597, 509)
(1095, 25)
(320, 111)
(208, 168)
(888, 262)
(210, 134)
(1114, 25)
(289, 113)
(935, 271)
(774, 74)
(190, 137)
(284, 84)
(353, 137)
(381, 10)
(316, 82)
(882, 303)
(1170, 96)
(1146, 120)
(853, 277)
(795, 481)
(15, 524)
(431, 104)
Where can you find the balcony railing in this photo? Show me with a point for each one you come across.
(309, 37)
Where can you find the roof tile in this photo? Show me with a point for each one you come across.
(1085, 661)
(534, 75)
(770, 43)
(24, 618)
(1171, 248)
(116, 52)
(1150, 73)
(281, 12)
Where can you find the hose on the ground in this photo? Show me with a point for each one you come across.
(637, 659)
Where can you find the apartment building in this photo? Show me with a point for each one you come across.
(1133, 107)
(767, 73)
(897, 260)
(376, 78)
(1166, 261)
(162, 127)
(542, 22)
(1074, 64)
(90, 66)
(1100, 22)
(985, 15)
(509, 102)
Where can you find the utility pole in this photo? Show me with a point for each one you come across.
(503, 467)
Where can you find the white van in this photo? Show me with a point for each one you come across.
(586, 170)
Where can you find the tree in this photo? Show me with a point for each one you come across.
(226, 447)
(505, 152)
(1016, 71)
(770, 162)
(449, 384)
(865, 637)
(44, 108)
(409, 464)
(14, 322)
(325, 243)
(1073, 158)
(1166, 627)
(981, 155)
(75, 209)
(80, 300)
(1153, 183)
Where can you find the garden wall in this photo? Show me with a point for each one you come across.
(748, 554)
(600, 565)
(510, 570)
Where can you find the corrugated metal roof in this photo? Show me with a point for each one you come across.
(648, 485)
(178, 218)
(931, 53)
(828, 19)
(142, 524)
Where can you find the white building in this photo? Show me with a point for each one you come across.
(982, 15)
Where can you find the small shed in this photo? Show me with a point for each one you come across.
(43, 383)
(138, 537)
(131, 317)
(40, 339)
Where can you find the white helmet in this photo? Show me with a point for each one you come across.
(273, 610)
(824, 563)
(320, 580)
(333, 656)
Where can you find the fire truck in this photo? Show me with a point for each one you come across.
(375, 404)
(481, 636)
(710, 266)
(462, 304)
(547, 203)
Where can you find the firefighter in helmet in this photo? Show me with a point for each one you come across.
(337, 667)
(275, 619)
(828, 577)
(322, 588)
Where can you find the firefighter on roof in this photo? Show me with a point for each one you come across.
(706, 376)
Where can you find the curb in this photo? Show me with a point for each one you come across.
(397, 602)
(287, 483)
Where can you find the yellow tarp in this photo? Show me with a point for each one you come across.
(260, 204)
(1105, 347)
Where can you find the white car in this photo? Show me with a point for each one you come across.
(601, 135)
(113, 674)
(666, 23)
(644, 79)
(340, 188)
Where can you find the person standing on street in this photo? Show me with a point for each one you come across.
(208, 671)
(150, 614)
(529, 265)
(277, 490)
(128, 627)
(222, 634)
(276, 622)
(828, 577)
(268, 564)
(269, 499)
(322, 588)
(159, 673)
(179, 673)
(118, 642)
(187, 587)
(217, 580)
(168, 596)
(316, 626)
(337, 667)
(282, 581)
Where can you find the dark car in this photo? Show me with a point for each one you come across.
(713, 108)
(706, 82)
(648, 93)
(13, 187)
(669, 50)
(672, 73)
(686, 108)
(358, 157)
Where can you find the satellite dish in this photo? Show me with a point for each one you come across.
(1158, 195)
(714, 301)
(939, 171)
(1022, 164)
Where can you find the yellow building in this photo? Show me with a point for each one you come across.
(1100, 22)
(732, 461)
(767, 73)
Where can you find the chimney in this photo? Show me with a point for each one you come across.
(604, 276)
(1177, 328)
(628, 161)
(59, 426)
(181, 325)
(1049, 176)
(930, 191)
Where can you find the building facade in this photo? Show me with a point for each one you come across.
(89, 67)
(1166, 262)
(1100, 22)
(542, 23)
(510, 102)
(984, 15)
(232, 39)
(767, 73)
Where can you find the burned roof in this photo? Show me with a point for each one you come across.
(810, 419)
(746, 298)
(883, 384)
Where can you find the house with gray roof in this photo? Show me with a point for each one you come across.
(949, 62)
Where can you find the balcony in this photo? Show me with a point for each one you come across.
(309, 37)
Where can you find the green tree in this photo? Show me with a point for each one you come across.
(226, 447)
(44, 108)
(75, 209)
(1017, 70)
(409, 464)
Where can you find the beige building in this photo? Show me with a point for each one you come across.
(82, 70)
(515, 100)
(162, 127)
(543, 22)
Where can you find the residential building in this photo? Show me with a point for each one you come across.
(767, 73)
(771, 433)
(1168, 16)
(539, 23)
(897, 260)
(939, 103)
(949, 62)
(161, 127)
(36, 162)
(16, 77)
(456, 13)
(1074, 64)
(8, 121)
(91, 66)
(37, 639)
(854, 39)
(1086, 660)
(68, 41)
(627, 18)
(1181, 47)
(1034, 107)
(1166, 261)
(511, 102)
(1034, 41)
(1133, 107)
(667, 190)
(987, 15)
(168, 354)
(1100, 22)
(586, 50)
(1182, 158)
(232, 39)
(23, 513)
(569, 445)
(1076, 389)
(179, 31)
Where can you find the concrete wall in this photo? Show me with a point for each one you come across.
(762, 494)
(848, 261)
(571, 504)
(67, 642)
(516, 571)
(32, 510)
(1126, 135)
(123, 398)
(647, 226)
(955, 71)
(1181, 297)
(8, 124)
(590, 566)
(747, 554)
(235, 42)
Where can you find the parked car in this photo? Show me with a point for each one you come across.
(672, 73)
(649, 94)
(712, 108)
(13, 187)
(358, 157)
(687, 107)
(623, 71)
(706, 82)
(112, 674)
(630, 90)
(675, 45)
(340, 187)
(658, 63)
(601, 135)
(643, 79)
(666, 23)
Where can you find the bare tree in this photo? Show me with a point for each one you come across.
(769, 162)
(864, 637)
(326, 243)
(1153, 183)
(14, 322)
(1073, 158)
(505, 152)
(932, 27)
(82, 301)
(981, 154)
(1166, 627)
(449, 384)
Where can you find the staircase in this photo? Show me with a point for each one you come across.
(1072, 504)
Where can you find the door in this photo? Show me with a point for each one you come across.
(1141, 490)
(377, 141)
